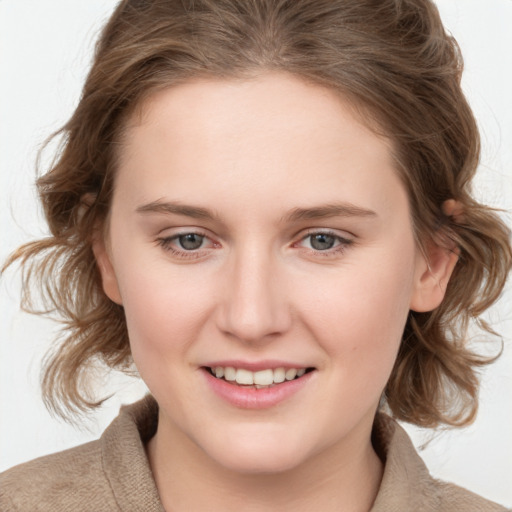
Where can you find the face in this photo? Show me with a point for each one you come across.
(260, 233)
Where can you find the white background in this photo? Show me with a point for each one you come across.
(45, 48)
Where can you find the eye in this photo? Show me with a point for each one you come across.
(187, 245)
(190, 241)
(324, 242)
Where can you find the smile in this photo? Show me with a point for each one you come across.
(259, 379)
(260, 389)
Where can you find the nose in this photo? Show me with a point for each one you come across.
(255, 306)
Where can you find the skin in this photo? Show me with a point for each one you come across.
(251, 153)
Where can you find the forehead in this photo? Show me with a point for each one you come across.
(278, 99)
(273, 135)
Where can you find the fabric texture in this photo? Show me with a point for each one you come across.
(113, 474)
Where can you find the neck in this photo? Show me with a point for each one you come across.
(344, 477)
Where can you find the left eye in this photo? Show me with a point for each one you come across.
(321, 241)
(324, 241)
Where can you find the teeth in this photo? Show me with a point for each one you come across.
(279, 375)
(260, 379)
(244, 377)
(264, 378)
(290, 374)
(229, 373)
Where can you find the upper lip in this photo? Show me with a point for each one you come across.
(255, 366)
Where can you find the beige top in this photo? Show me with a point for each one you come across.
(113, 474)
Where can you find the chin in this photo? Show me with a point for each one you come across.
(259, 456)
(255, 464)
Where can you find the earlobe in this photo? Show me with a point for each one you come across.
(108, 276)
(433, 271)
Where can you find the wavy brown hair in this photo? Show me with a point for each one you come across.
(395, 63)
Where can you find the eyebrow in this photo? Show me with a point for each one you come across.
(176, 208)
(329, 210)
(295, 215)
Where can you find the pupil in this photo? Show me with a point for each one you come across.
(321, 242)
(190, 241)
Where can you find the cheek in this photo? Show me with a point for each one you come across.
(360, 314)
(164, 307)
(359, 327)
(164, 317)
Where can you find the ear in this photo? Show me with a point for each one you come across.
(434, 267)
(104, 262)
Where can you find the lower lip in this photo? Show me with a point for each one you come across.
(252, 398)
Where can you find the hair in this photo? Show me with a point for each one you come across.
(393, 61)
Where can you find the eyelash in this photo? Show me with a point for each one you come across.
(166, 242)
(343, 244)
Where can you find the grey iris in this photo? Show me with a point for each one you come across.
(322, 241)
(190, 241)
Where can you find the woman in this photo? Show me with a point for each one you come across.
(266, 205)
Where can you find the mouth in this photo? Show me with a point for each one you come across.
(262, 379)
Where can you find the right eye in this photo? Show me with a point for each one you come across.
(190, 241)
(187, 244)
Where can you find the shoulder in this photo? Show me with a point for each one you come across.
(59, 482)
(407, 483)
(109, 474)
(453, 498)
